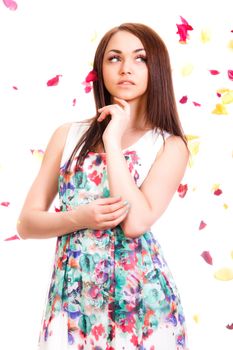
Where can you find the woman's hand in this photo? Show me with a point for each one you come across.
(120, 117)
(103, 213)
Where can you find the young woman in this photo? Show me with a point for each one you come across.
(111, 288)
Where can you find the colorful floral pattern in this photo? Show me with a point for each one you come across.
(109, 292)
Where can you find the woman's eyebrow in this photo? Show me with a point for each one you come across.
(119, 51)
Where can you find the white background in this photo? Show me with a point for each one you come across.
(49, 37)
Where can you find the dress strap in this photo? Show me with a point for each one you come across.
(75, 132)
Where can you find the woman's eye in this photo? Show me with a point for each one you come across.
(114, 59)
(141, 58)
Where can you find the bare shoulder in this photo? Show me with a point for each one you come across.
(175, 147)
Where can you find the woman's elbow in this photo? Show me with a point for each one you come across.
(134, 230)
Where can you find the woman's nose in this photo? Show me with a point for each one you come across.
(126, 68)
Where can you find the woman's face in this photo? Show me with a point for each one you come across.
(125, 71)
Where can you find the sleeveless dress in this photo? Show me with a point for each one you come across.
(108, 291)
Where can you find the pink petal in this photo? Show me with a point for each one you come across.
(202, 225)
(230, 74)
(10, 4)
(230, 326)
(182, 189)
(54, 81)
(183, 30)
(91, 76)
(5, 204)
(214, 72)
(15, 88)
(218, 94)
(207, 257)
(196, 104)
(184, 99)
(12, 238)
(74, 102)
(218, 192)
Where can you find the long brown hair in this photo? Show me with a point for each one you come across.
(161, 110)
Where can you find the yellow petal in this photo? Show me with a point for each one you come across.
(228, 97)
(223, 90)
(205, 36)
(194, 147)
(232, 254)
(225, 206)
(94, 37)
(230, 45)
(187, 69)
(215, 187)
(196, 318)
(219, 109)
(191, 137)
(224, 274)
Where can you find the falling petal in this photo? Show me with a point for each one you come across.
(196, 104)
(5, 204)
(183, 99)
(91, 76)
(187, 69)
(219, 109)
(10, 4)
(218, 192)
(225, 206)
(230, 45)
(54, 81)
(182, 190)
(183, 30)
(224, 274)
(57, 209)
(230, 74)
(15, 87)
(227, 97)
(194, 147)
(205, 36)
(218, 94)
(196, 318)
(230, 326)
(12, 238)
(191, 137)
(214, 72)
(223, 90)
(74, 102)
(207, 257)
(202, 225)
(38, 154)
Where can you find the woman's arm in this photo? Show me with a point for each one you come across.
(36, 222)
(149, 202)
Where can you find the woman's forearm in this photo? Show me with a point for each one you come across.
(121, 183)
(42, 224)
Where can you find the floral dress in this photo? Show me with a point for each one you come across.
(108, 291)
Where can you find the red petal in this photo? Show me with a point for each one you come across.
(230, 74)
(182, 189)
(12, 238)
(214, 72)
(74, 102)
(196, 104)
(5, 204)
(218, 94)
(229, 326)
(15, 88)
(57, 209)
(202, 225)
(184, 99)
(207, 257)
(54, 81)
(12, 5)
(218, 192)
(91, 76)
(183, 30)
